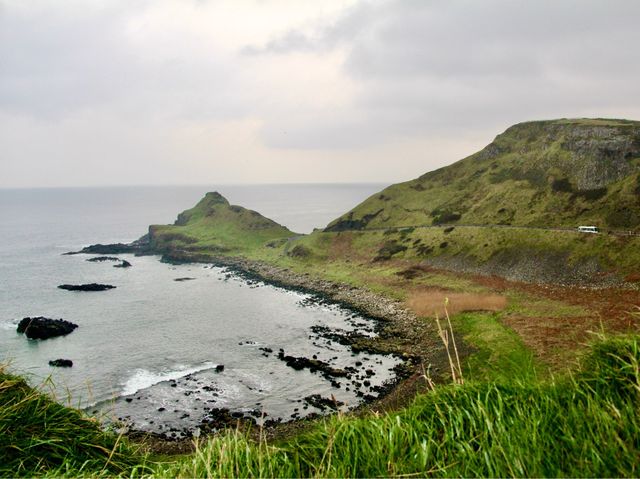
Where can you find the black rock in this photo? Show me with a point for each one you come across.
(45, 328)
(100, 259)
(117, 248)
(313, 365)
(323, 403)
(86, 287)
(61, 363)
(123, 264)
(184, 279)
(219, 368)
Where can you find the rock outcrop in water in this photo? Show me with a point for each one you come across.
(86, 287)
(45, 328)
(61, 363)
(122, 263)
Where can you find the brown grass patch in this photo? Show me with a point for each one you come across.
(554, 340)
(429, 303)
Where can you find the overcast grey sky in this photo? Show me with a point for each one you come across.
(117, 92)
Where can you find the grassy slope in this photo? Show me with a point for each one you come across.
(553, 173)
(478, 246)
(215, 226)
(40, 437)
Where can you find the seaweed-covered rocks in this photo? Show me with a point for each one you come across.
(61, 363)
(86, 287)
(313, 365)
(323, 403)
(45, 328)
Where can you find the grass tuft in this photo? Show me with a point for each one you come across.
(40, 437)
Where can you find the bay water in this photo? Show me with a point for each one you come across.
(147, 351)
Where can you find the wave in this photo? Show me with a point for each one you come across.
(10, 324)
(143, 379)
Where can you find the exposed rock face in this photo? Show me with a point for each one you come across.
(45, 328)
(593, 155)
(86, 287)
(61, 363)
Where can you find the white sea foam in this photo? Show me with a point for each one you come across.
(9, 324)
(143, 379)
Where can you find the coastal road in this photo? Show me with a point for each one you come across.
(535, 228)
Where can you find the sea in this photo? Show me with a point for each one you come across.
(162, 355)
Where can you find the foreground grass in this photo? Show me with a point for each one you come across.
(40, 437)
(587, 425)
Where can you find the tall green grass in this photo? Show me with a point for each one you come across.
(585, 425)
(40, 437)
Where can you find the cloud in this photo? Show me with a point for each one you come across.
(245, 90)
(56, 61)
(446, 67)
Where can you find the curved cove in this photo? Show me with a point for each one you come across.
(166, 356)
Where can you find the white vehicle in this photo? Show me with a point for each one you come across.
(588, 229)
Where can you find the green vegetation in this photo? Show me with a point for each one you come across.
(582, 426)
(500, 354)
(547, 173)
(476, 246)
(40, 437)
(215, 226)
(585, 425)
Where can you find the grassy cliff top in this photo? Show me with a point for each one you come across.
(543, 173)
(214, 225)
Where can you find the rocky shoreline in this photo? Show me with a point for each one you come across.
(398, 332)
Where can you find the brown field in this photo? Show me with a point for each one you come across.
(431, 302)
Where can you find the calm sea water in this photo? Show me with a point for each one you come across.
(153, 343)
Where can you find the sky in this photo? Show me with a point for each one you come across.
(146, 92)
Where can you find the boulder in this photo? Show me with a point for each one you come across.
(45, 328)
(123, 264)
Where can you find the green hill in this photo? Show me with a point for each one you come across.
(542, 173)
(215, 226)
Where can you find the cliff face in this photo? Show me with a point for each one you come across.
(546, 173)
